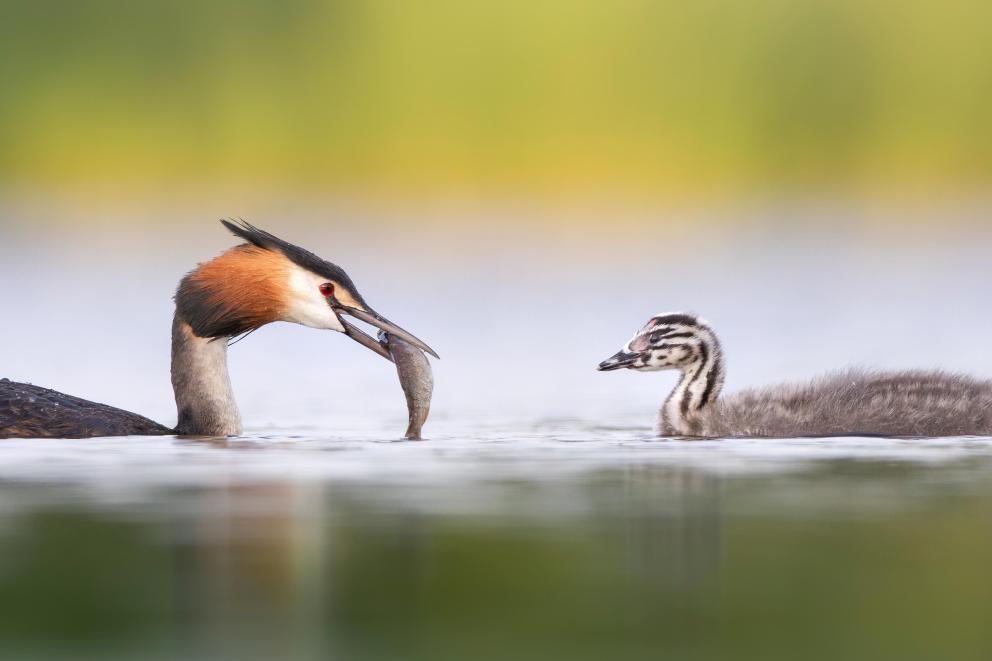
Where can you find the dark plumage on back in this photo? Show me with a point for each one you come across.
(28, 411)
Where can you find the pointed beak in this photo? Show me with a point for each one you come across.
(365, 340)
(375, 319)
(619, 360)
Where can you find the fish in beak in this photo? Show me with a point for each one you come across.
(375, 319)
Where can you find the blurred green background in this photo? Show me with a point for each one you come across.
(544, 99)
(127, 127)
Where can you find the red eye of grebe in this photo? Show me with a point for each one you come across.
(327, 289)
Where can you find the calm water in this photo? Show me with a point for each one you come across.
(540, 520)
(551, 541)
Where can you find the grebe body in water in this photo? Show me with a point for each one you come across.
(854, 402)
(261, 281)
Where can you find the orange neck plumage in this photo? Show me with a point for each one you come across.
(236, 292)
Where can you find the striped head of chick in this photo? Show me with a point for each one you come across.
(667, 341)
(267, 279)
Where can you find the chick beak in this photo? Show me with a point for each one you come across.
(375, 319)
(617, 361)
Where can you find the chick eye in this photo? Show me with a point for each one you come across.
(327, 289)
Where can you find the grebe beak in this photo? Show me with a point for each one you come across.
(375, 319)
(365, 340)
(617, 361)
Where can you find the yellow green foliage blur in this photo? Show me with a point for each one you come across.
(533, 96)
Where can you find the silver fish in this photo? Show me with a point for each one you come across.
(416, 378)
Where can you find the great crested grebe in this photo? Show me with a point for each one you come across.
(250, 285)
(853, 402)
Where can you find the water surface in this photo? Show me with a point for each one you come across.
(553, 540)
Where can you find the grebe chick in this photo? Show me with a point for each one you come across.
(263, 280)
(852, 402)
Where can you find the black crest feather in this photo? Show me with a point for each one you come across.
(211, 316)
(303, 258)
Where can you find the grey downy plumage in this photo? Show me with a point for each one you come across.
(915, 403)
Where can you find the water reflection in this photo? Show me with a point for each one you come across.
(845, 559)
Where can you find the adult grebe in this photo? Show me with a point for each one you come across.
(853, 402)
(250, 285)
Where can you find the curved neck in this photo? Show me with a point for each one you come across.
(204, 398)
(698, 387)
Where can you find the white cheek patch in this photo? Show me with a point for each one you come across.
(305, 304)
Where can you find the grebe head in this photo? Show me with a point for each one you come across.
(667, 341)
(268, 279)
